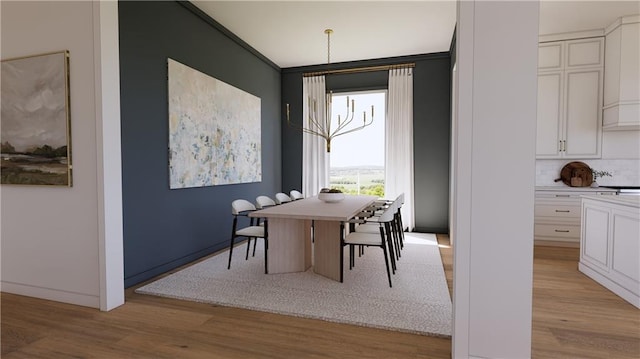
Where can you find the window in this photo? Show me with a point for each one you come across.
(357, 159)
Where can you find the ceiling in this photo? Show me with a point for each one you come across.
(291, 33)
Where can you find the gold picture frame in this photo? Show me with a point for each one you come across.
(35, 144)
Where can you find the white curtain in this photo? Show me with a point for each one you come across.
(315, 159)
(399, 141)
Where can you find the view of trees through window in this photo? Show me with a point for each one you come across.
(357, 158)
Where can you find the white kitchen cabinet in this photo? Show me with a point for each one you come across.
(549, 129)
(582, 127)
(570, 86)
(557, 214)
(610, 244)
(550, 56)
(621, 108)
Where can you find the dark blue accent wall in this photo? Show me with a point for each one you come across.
(432, 143)
(165, 228)
(431, 126)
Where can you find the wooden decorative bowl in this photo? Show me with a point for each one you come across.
(577, 170)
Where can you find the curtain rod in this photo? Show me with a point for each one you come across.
(359, 69)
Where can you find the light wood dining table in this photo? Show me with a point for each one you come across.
(289, 234)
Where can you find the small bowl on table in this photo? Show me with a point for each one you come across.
(330, 197)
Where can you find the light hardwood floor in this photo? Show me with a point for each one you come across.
(573, 317)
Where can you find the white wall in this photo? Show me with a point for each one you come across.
(64, 243)
(496, 51)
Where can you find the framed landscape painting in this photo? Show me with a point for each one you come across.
(35, 144)
(214, 131)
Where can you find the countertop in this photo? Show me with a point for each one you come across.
(575, 189)
(623, 199)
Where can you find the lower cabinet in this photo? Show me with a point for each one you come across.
(557, 215)
(610, 246)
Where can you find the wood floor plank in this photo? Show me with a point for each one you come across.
(573, 317)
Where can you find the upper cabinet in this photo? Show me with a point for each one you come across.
(622, 75)
(570, 85)
(551, 56)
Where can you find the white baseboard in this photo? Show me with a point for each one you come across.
(85, 300)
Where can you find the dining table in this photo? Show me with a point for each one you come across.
(295, 227)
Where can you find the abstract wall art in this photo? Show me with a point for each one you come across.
(214, 131)
(35, 144)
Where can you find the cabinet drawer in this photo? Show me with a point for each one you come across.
(564, 196)
(574, 196)
(557, 211)
(557, 232)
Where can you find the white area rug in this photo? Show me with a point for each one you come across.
(419, 301)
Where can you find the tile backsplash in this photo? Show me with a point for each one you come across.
(624, 172)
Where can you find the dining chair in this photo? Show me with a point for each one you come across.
(372, 225)
(396, 226)
(241, 208)
(261, 203)
(282, 198)
(296, 195)
(398, 221)
(381, 239)
(264, 202)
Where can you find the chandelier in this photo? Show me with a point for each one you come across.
(320, 124)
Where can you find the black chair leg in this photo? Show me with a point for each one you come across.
(246, 256)
(266, 264)
(401, 230)
(386, 262)
(230, 252)
(255, 242)
(351, 255)
(396, 239)
(389, 240)
(266, 246)
(391, 255)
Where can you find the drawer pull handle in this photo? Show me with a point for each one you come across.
(562, 230)
(563, 210)
(563, 195)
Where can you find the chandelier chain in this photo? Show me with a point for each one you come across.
(328, 32)
(328, 48)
